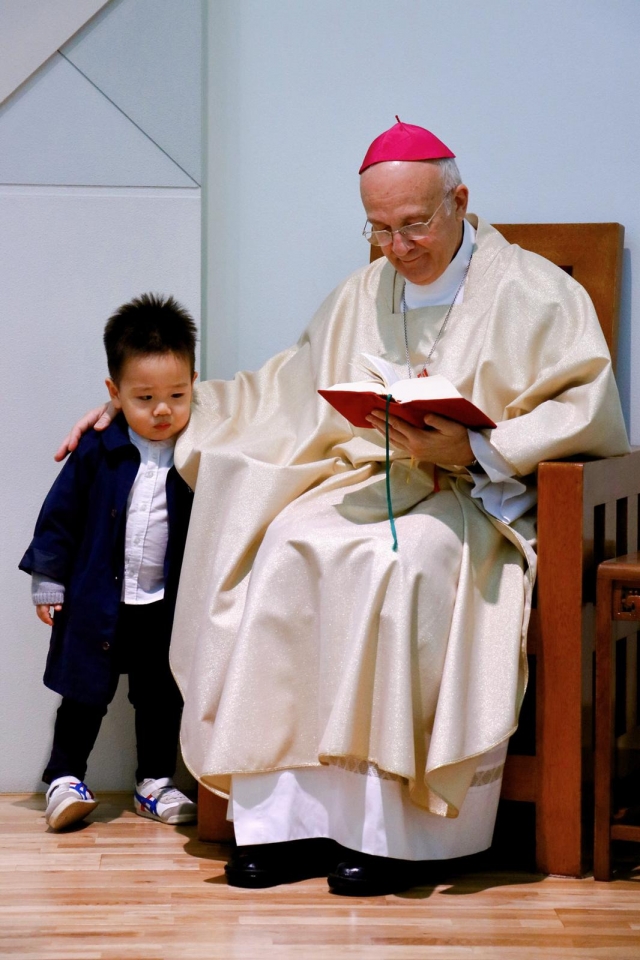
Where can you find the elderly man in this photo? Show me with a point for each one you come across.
(338, 691)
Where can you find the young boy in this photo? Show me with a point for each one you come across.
(106, 555)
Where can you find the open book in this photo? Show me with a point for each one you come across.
(412, 399)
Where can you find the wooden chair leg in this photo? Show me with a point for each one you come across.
(559, 672)
(604, 750)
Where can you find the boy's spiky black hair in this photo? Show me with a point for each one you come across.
(150, 323)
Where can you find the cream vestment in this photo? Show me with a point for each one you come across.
(300, 637)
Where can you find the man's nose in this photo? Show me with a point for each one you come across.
(400, 244)
(162, 409)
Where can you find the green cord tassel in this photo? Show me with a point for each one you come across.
(388, 470)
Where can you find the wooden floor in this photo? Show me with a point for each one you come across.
(123, 888)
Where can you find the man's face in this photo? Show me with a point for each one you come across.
(398, 193)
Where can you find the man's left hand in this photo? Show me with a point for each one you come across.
(444, 441)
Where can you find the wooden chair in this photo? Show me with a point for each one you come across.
(587, 512)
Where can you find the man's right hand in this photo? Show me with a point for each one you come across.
(99, 419)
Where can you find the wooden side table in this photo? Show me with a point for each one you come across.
(618, 600)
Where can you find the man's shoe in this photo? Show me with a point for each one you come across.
(363, 875)
(68, 800)
(161, 800)
(270, 864)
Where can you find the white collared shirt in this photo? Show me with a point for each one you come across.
(147, 529)
(444, 288)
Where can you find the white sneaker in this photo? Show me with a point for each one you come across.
(160, 800)
(68, 800)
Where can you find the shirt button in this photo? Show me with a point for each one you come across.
(106, 645)
(114, 512)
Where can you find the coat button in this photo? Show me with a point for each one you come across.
(106, 645)
(114, 512)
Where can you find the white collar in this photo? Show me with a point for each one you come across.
(443, 290)
(146, 446)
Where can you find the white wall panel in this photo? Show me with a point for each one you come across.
(68, 257)
(59, 129)
(30, 32)
(146, 56)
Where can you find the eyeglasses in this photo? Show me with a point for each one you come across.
(412, 232)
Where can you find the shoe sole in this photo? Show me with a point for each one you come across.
(254, 881)
(70, 811)
(365, 888)
(171, 821)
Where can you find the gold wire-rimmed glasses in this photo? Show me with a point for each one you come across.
(411, 232)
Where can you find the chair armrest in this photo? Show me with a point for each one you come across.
(606, 478)
(587, 513)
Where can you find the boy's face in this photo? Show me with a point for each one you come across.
(154, 394)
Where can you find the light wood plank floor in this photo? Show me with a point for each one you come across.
(122, 888)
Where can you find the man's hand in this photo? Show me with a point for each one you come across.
(44, 612)
(99, 419)
(444, 441)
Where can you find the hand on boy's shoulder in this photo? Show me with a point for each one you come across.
(89, 453)
(99, 418)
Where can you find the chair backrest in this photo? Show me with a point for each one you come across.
(590, 252)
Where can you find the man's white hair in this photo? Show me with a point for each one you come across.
(450, 178)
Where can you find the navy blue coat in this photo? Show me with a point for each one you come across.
(79, 542)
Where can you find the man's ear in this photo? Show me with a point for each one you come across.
(461, 200)
(194, 377)
(114, 393)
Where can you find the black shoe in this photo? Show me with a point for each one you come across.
(363, 875)
(269, 864)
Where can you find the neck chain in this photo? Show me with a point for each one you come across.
(403, 305)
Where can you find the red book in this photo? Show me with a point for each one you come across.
(412, 399)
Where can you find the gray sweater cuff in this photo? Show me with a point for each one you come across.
(46, 591)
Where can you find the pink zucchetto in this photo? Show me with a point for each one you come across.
(404, 141)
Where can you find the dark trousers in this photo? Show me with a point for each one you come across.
(141, 649)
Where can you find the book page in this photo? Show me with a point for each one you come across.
(380, 368)
(436, 387)
(360, 386)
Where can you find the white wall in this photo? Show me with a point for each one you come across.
(539, 100)
(31, 32)
(94, 210)
(68, 256)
